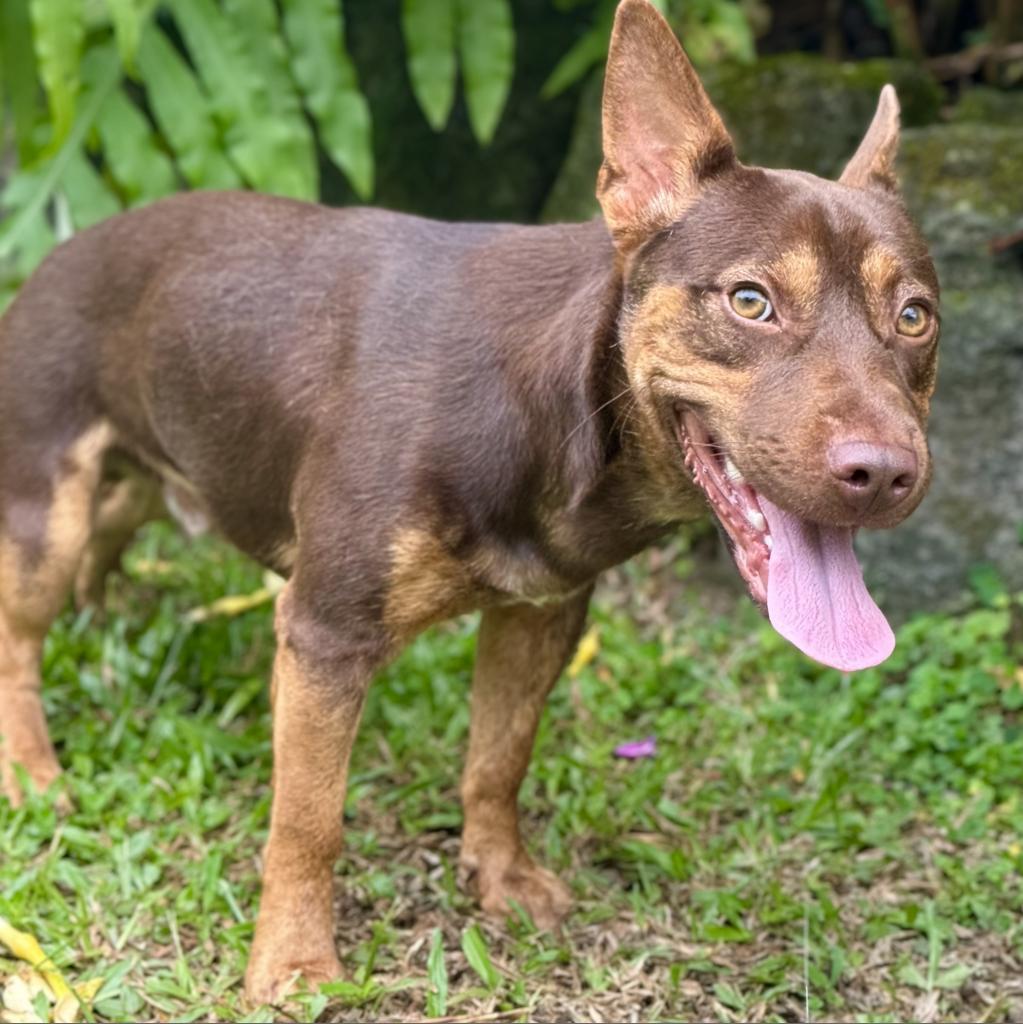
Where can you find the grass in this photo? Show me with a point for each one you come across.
(803, 845)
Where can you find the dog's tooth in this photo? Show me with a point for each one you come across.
(732, 472)
(756, 519)
(769, 541)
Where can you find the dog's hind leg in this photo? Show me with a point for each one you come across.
(126, 501)
(520, 654)
(46, 504)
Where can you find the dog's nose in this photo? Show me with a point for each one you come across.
(872, 477)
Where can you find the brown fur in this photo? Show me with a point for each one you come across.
(409, 419)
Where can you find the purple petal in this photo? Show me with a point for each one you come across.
(637, 748)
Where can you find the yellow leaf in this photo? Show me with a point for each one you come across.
(68, 1009)
(88, 990)
(153, 567)
(233, 604)
(587, 650)
(25, 947)
(273, 582)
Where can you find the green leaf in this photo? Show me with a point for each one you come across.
(20, 226)
(256, 24)
(136, 164)
(474, 947)
(87, 193)
(486, 45)
(37, 236)
(37, 240)
(437, 996)
(429, 29)
(986, 582)
(589, 50)
(954, 977)
(731, 28)
(183, 114)
(129, 17)
(58, 32)
(18, 73)
(326, 75)
(260, 144)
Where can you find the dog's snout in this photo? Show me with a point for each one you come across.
(872, 477)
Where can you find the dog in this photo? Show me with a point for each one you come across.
(411, 420)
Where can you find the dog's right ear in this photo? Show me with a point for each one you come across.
(662, 136)
(873, 164)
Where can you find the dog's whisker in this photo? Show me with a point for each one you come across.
(600, 408)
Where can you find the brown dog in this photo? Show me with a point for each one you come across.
(410, 420)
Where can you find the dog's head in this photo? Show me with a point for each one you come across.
(779, 333)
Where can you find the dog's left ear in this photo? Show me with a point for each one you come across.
(873, 164)
(662, 137)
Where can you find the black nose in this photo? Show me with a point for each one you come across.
(872, 477)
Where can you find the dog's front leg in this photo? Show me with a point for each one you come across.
(520, 653)
(319, 685)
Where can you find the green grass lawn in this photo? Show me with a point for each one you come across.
(802, 844)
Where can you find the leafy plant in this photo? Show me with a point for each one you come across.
(478, 33)
(710, 29)
(116, 104)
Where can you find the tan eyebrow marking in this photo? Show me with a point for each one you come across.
(798, 273)
(880, 269)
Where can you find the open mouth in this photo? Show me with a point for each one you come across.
(735, 504)
(803, 575)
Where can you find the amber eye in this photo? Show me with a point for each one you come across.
(914, 320)
(751, 303)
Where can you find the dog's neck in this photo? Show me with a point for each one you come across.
(600, 488)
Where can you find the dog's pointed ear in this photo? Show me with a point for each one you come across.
(662, 136)
(873, 164)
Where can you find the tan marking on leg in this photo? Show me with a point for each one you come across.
(26, 739)
(284, 554)
(426, 584)
(126, 505)
(314, 725)
(520, 653)
(31, 596)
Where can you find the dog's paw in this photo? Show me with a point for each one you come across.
(42, 773)
(271, 982)
(540, 893)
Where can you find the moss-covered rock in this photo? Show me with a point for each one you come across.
(803, 111)
(795, 110)
(989, 106)
(969, 167)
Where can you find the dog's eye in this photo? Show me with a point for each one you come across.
(913, 320)
(751, 304)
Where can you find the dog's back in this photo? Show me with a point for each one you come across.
(214, 329)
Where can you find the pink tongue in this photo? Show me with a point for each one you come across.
(816, 597)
